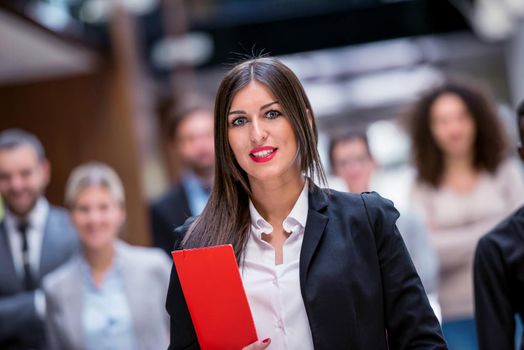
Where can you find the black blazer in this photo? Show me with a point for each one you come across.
(499, 283)
(167, 213)
(358, 283)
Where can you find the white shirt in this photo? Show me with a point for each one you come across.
(273, 291)
(35, 235)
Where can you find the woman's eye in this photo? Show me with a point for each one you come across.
(239, 121)
(273, 114)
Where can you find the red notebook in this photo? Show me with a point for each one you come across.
(215, 297)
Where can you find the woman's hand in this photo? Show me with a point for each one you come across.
(258, 345)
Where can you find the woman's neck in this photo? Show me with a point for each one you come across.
(274, 200)
(460, 175)
(459, 164)
(99, 260)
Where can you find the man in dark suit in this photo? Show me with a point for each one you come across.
(190, 128)
(499, 276)
(35, 238)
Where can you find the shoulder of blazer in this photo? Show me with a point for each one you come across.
(505, 240)
(340, 204)
(175, 197)
(338, 198)
(367, 207)
(381, 215)
(62, 276)
(58, 218)
(144, 258)
(180, 232)
(378, 207)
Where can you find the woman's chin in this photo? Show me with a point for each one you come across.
(96, 245)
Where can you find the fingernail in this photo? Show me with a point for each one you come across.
(265, 341)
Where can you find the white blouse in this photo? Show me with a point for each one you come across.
(273, 291)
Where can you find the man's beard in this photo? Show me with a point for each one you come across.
(22, 212)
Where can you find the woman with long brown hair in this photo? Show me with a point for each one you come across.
(466, 184)
(321, 269)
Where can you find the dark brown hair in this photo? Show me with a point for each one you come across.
(225, 219)
(489, 146)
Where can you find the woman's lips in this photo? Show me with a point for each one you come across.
(263, 154)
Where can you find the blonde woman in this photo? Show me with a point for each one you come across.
(111, 295)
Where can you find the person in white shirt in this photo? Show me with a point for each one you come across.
(35, 238)
(321, 269)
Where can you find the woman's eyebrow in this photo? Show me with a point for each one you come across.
(268, 104)
(261, 108)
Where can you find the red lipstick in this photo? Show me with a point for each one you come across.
(263, 154)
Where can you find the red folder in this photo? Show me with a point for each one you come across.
(215, 297)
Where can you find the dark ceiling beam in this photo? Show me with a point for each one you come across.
(343, 27)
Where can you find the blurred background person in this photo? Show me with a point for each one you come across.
(190, 129)
(499, 286)
(111, 295)
(465, 185)
(352, 161)
(35, 238)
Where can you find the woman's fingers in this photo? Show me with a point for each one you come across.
(258, 345)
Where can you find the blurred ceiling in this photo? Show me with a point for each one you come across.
(219, 28)
(376, 80)
(29, 53)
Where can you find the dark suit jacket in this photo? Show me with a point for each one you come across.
(499, 283)
(356, 277)
(167, 213)
(20, 327)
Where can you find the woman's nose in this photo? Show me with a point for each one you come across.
(258, 132)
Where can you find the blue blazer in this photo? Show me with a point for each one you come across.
(359, 286)
(20, 326)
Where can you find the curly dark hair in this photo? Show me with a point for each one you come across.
(490, 144)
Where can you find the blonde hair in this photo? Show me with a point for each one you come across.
(93, 174)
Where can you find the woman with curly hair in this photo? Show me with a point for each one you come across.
(466, 184)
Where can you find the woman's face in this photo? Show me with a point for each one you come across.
(452, 126)
(97, 216)
(261, 135)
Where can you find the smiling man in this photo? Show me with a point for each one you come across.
(35, 238)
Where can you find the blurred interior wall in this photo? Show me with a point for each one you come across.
(81, 119)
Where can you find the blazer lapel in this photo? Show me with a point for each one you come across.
(133, 290)
(8, 274)
(315, 226)
(49, 244)
(73, 296)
